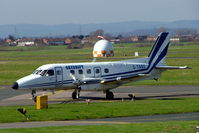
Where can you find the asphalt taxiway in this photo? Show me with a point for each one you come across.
(10, 97)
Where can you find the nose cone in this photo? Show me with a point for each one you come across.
(15, 86)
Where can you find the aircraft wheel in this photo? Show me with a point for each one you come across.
(74, 95)
(109, 95)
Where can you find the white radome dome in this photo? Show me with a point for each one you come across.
(103, 48)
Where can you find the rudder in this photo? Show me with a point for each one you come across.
(159, 50)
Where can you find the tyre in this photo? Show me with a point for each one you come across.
(109, 95)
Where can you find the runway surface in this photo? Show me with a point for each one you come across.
(10, 97)
(120, 120)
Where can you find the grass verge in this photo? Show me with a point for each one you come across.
(101, 110)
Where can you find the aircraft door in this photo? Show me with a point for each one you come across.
(59, 76)
(97, 72)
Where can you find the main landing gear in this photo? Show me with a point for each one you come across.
(109, 95)
(76, 93)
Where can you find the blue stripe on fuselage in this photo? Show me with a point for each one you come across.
(46, 84)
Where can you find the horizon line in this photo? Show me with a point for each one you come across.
(102, 22)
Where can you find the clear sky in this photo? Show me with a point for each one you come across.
(95, 11)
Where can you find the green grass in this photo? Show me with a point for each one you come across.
(101, 110)
(17, 62)
(154, 127)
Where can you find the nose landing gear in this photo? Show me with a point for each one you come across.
(34, 97)
(76, 93)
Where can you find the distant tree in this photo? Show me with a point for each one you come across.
(11, 37)
(119, 37)
(80, 37)
(74, 36)
(99, 32)
(87, 36)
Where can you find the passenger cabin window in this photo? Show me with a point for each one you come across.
(80, 71)
(88, 71)
(97, 70)
(106, 70)
(72, 71)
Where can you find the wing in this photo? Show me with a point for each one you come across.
(120, 79)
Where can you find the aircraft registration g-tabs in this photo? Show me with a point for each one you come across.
(98, 76)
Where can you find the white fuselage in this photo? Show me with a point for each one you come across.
(65, 76)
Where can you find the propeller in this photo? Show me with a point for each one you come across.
(76, 81)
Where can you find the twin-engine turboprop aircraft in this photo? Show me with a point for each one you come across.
(98, 76)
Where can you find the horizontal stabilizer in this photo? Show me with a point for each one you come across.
(172, 67)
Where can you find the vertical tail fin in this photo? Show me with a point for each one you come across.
(159, 50)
